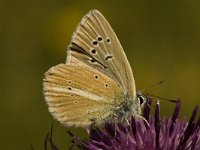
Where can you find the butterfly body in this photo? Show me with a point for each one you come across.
(96, 83)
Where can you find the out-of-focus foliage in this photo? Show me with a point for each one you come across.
(160, 38)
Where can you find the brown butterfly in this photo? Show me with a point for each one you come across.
(96, 83)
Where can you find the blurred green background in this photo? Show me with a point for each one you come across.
(160, 38)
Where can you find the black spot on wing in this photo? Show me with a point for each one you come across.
(99, 38)
(95, 43)
(108, 40)
(93, 51)
(108, 57)
(106, 84)
(96, 77)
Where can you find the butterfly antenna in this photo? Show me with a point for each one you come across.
(170, 100)
(154, 85)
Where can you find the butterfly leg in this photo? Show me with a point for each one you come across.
(88, 129)
(128, 129)
(116, 118)
(115, 133)
(143, 119)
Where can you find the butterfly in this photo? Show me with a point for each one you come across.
(95, 85)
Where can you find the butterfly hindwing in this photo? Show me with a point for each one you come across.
(80, 95)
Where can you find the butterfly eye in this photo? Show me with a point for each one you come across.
(141, 99)
(106, 85)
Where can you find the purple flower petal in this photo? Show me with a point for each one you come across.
(161, 133)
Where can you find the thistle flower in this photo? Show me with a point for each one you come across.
(159, 133)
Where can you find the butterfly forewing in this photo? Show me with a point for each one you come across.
(80, 95)
(94, 43)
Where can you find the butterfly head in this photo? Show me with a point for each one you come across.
(141, 98)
